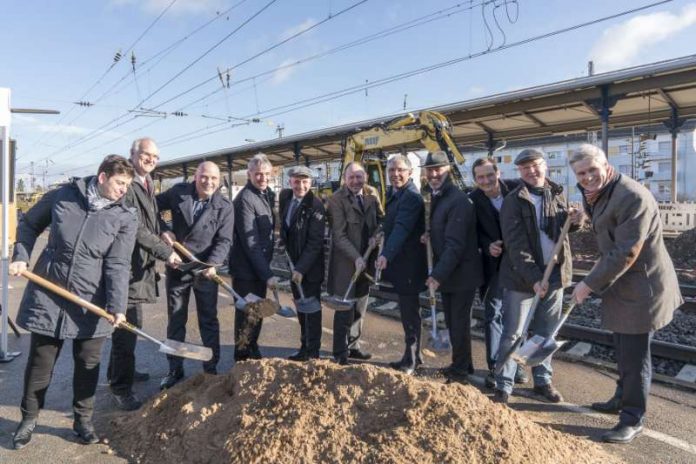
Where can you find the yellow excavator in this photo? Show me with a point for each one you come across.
(372, 146)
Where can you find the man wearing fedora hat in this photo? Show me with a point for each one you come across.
(457, 268)
(303, 224)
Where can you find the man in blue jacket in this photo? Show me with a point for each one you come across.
(403, 257)
(202, 221)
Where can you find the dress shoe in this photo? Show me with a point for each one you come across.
(210, 370)
(22, 436)
(341, 360)
(501, 397)
(489, 381)
(358, 354)
(300, 356)
(255, 353)
(314, 355)
(613, 406)
(622, 433)
(126, 401)
(171, 379)
(457, 376)
(521, 376)
(84, 430)
(140, 376)
(405, 367)
(549, 392)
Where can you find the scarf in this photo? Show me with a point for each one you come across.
(592, 197)
(95, 200)
(551, 222)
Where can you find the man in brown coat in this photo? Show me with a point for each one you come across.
(353, 214)
(634, 275)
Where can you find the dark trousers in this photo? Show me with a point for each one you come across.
(493, 319)
(635, 374)
(241, 322)
(457, 309)
(310, 324)
(43, 353)
(178, 295)
(348, 328)
(409, 307)
(122, 359)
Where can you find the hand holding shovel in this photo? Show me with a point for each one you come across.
(346, 304)
(303, 305)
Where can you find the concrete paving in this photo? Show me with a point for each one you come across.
(669, 436)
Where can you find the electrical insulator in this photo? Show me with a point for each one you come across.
(117, 56)
(179, 113)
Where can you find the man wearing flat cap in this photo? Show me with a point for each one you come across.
(302, 232)
(457, 268)
(531, 219)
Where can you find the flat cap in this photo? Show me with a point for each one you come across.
(438, 158)
(301, 171)
(529, 154)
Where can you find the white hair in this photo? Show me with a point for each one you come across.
(258, 160)
(403, 158)
(587, 151)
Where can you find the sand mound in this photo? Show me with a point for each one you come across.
(277, 411)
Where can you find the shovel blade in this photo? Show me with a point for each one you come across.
(286, 311)
(186, 350)
(339, 304)
(307, 305)
(440, 342)
(536, 350)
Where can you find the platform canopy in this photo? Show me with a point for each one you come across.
(662, 92)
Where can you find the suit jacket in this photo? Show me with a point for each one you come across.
(149, 247)
(254, 240)
(210, 237)
(346, 220)
(634, 274)
(457, 262)
(404, 224)
(522, 264)
(304, 237)
(488, 226)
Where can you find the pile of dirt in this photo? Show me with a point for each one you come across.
(274, 410)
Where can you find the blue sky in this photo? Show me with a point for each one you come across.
(57, 53)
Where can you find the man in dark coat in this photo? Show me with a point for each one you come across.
(90, 243)
(250, 261)
(634, 275)
(488, 199)
(457, 270)
(143, 277)
(354, 213)
(302, 232)
(403, 258)
(531, 218)
(202, 221)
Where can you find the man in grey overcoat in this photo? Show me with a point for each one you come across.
(634, 276)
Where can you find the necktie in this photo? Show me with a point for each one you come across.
(360, 202)
(198, 207)
(291, 211)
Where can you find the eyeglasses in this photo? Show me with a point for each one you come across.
(530, 167)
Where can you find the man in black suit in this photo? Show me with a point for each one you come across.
(457, 270)
(250, 261)
(142, 289)
(403, 257)
(202, 221)
(302, 232)
(488, 199)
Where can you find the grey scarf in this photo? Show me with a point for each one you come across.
(94, 198)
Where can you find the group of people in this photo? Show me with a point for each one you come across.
(106, 235)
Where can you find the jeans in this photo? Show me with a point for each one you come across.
(635, 374)
(43, 353)
(518, 319)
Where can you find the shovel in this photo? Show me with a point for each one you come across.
(346, 304)
(170, 347)
(304, 305)
(439, 340)
(538, 349)
(535, 302)
(285, 311)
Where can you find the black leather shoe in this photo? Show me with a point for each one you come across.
(84, 430)
(357, 354)
(501, 397)
(171, 379)
(457, 376)
(549, 392)
(489, 381)
(127, 401)
(300, 356)
(622, 433)
(613, 406)
(140, 376)
(255, 353)
(314, 355)
(22, 436)
(521, 376)
(341, 360)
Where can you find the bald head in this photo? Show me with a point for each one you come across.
(207, 179)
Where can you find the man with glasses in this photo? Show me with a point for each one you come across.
(142, 289)
(531, 218)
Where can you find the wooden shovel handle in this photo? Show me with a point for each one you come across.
(556, 250)
(67, 295)
(184, 251)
